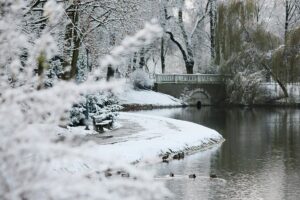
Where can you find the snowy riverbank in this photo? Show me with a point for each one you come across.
(144, 139)
(139, 99)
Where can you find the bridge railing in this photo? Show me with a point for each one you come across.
(190, 78)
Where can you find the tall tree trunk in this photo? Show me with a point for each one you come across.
(188, 64)
(72, 44)
(76, 47)
(212, 20)
(286, 30)
(164, 17)
(287, 16)
(189, 61)
(67, 45)
(162, 56)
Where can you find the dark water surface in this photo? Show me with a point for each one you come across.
(260, 158)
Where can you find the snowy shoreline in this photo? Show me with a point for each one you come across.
(132, 100)
(147, 99)
(145, 139)
(142, 139)
(137, 107)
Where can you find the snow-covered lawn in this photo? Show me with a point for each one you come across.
(147, 97)
(146, 138)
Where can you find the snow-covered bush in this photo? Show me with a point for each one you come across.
(78, 114)
(141, 80)
(101, 103)
(247, 73)
(35, 163)
(54, 72)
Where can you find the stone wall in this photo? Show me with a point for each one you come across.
(206, 93)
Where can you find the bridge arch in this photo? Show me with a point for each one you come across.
(198, 96)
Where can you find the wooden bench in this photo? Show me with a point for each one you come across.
(102, 121)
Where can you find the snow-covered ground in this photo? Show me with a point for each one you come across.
(147, 97)
(273, 90)
(144, 139)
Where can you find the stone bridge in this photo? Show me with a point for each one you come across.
(195, 89)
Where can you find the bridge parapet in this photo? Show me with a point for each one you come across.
(190, 78)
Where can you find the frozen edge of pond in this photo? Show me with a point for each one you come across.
(141, 140)
(151, 137)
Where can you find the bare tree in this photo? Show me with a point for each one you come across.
(187, 51)
(292, 15)
(83, 21)
(183, 40)
(163, 18)
(212, 22)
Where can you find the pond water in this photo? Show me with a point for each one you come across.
(260, 158)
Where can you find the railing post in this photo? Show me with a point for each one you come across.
(199, 79)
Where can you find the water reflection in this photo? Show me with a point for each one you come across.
(259, 160)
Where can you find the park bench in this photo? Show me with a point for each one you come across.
(102, 121)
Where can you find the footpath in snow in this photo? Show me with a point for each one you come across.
(144, 139)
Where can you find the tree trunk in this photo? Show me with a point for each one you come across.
(189, 59)
(134, 61)
(110, 73)
(162, 56)
(67, 45)
(212, 19)
(72, 44)
(282, 86)
(142, 58)
(287, 16)
(89, 67)
(188, 55)
(189, 67)
(164, 18)
(76, 42)
(286, 30)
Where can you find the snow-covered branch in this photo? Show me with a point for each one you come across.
(36, 163)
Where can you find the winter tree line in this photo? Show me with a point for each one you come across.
(55, 52)
(199, 35)
(252, 40)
